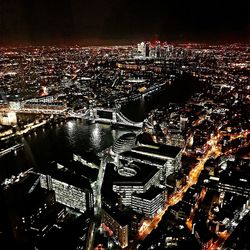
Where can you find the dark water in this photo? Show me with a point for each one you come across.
(58, 143)
(76, 136)
(178, 92)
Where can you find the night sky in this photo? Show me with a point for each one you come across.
(93, 22)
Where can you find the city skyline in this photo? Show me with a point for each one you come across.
(125, 147)
(124, 124)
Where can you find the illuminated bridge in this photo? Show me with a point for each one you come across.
(106, 115)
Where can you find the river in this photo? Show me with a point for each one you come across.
(59, 142)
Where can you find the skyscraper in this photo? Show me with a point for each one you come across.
(158, 49)
(143, 49)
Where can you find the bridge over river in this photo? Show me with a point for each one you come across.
(106, 115)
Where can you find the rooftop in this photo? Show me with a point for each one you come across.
(119, 216)
(150, 194)
(72, 174)
(138, 156)
(158, 151)
(144, 173)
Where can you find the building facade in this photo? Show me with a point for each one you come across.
(116, 227)
(149, 203)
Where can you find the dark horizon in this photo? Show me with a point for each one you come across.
(110, 43)
(117, 22)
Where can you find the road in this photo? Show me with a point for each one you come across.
(212, 149)
(98, 203)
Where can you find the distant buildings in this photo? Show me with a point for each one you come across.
(8, 118)
(144, 49)
(45, 103)
(155, 50)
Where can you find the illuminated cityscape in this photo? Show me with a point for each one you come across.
(136, 144)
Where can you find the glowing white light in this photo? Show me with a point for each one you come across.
(70, 127)
(96, 136)
(95, 132)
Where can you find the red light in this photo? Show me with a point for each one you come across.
(107, 229)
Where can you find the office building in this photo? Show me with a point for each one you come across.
(143, 49)
(124, 143)
(235, 179)
(158, 52)
(71, 189)
(132, 178)
(117, 225)
(150, 202)
(25, 207)
(166, 158)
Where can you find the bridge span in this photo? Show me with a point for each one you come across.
(107, 115)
